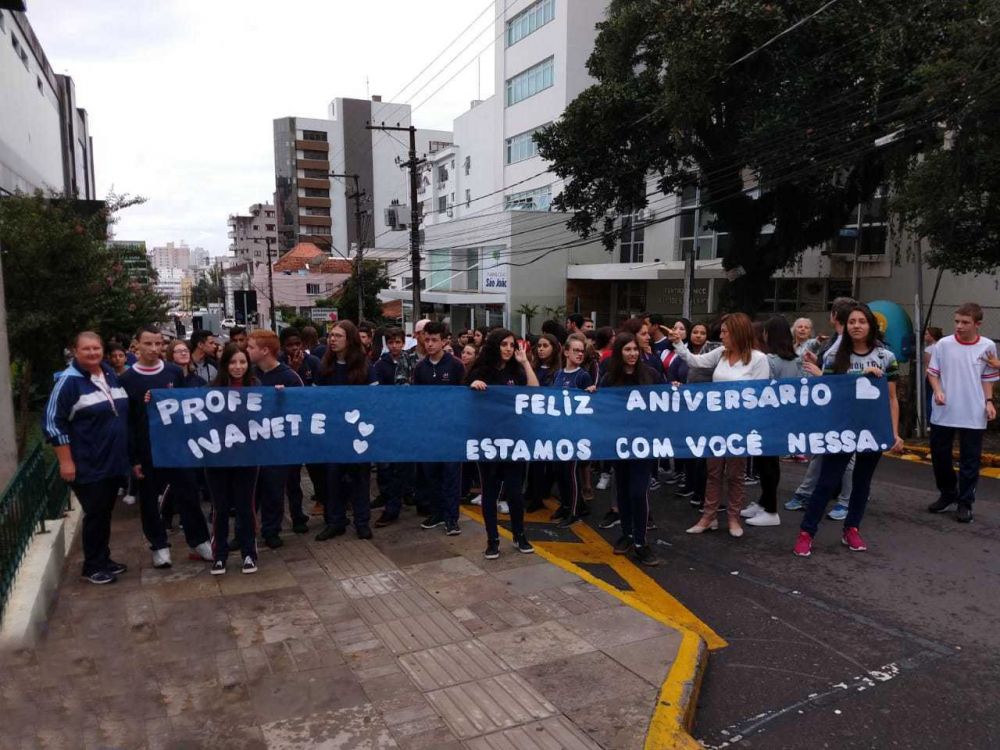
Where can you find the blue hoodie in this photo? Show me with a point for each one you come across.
(92, 421)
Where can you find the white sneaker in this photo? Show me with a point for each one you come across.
(161, 558)
(603, 481)
(204, 551)
(765, 519)
(751, 510)
(129, 499)
(503, 508)
(477, 500)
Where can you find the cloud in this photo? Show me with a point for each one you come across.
(181, 94)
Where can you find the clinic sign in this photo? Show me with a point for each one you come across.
(338, 424)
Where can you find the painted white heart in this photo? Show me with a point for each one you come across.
(360, 446)
(366, 429)
(352, 416)
(865, 391)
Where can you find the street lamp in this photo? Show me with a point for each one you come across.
(356, 197)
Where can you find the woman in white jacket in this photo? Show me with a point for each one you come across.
(736, 359)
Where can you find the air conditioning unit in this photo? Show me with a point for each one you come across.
(397, 217)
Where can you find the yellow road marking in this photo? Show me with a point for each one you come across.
(673, 714)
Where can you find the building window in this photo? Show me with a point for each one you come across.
(314, 155)
(442, 204)
(631, 298)
(442, 174)
(784, 296)
(521, 146)
(314, 135)
(312, 289)
(874, 229)
(315, 174)
(468, 197)
(38, 83)
(530, 82)
(317, 193)
(3, 24)
(708, 242)
(529, 200)
(468, 165)
(437, 146)
(313, 211)
(633, 238)
(314, 230)
(269, 214)
(530, 20)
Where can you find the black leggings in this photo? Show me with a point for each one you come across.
(769, 470)
(508, 476)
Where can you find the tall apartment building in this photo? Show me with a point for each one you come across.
(171, 257)
(45, 143)
(250, 232)
(311, 205)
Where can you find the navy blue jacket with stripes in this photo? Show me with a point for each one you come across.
(79, 414)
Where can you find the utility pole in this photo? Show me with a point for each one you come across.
(270, 286)
(356, 196)
(413, 163)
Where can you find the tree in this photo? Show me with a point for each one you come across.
(529, 312)
(775, 129)
(952, 195)
(61, 278)
(208, 289)
(374, 278)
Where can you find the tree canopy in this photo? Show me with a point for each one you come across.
(374, 278)
(776, 124)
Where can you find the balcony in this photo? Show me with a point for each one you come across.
(312, 146)
(312, 164)
(310, 182)
(314, 202)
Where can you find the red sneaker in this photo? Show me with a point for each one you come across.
(852, 539)
(803, 545)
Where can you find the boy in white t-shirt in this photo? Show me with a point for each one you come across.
(962, 379)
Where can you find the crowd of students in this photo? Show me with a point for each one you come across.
(96, 419)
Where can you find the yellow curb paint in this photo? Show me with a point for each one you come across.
(921, 455)
(673, 714)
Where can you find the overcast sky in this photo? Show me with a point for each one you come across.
(181, 94)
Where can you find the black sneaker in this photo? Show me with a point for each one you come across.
(940, 505)
(623, 545)
(115, 568)
(301, 527)
(964, 514)
(695, 502)
(521, 544)
(610, 520)
(385, 520)
(329, 532)
(432, 522)
(451, 528)
(646, 556)
(684, 493)
(560, 513)
(218, 568)
(249, 565)
(100, 577)
(273, 542)
(582, 509)
(364, 532)
(492, 549)
(650, 524)
(566, 522)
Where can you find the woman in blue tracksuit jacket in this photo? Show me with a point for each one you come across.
(86, 420)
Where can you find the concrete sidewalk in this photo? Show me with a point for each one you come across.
(412, 640)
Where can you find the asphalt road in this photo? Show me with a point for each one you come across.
(898, 646)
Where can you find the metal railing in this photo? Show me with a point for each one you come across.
(35, 493)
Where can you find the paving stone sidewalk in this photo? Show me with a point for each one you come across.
(408, 641)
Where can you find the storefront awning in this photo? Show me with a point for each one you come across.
(446, 298)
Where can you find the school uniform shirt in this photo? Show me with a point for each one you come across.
(724, 372)
(675, 369)
(391, 371)
(630, 381)
(191, 380)
(784, 368)
(338, 376)
(652, 360)
(962, 368)
(89, 413)
(205, 369)
(137, 381)
(544, 373)
(662, 346)
(281, 374)
(578, 378)
(448, 371)
(510, 375)
(879, 357)
(307, 370)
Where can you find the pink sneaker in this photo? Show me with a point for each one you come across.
(803, 545)
(852, 539)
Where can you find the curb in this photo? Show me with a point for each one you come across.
(986, 459)
(673, 715)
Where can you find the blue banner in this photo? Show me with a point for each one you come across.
(337, 424)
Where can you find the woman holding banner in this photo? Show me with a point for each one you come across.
(232, 488)
(857, 353)
(502, 362)
(625, 369)
(735, 360)
(346, 363)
